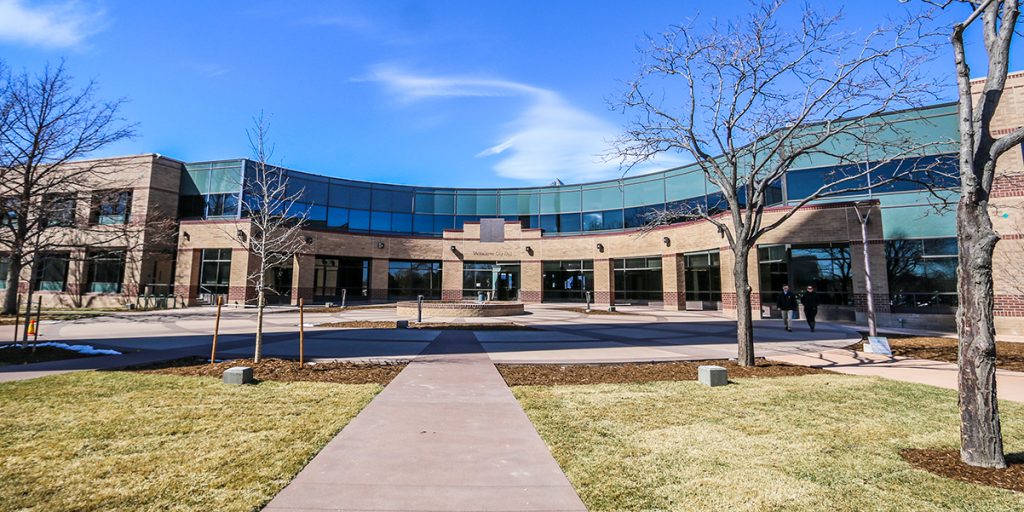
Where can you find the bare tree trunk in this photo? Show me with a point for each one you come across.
(980, 431)
(33, 265)
(260, 303)
(868, 285)
(744, 320)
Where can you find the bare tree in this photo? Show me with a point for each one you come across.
(981, 439)
(272, 226)
(48, 125)
(748, 100)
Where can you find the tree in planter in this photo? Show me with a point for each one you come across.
(748, 100)
(271, 230)
(46, 127)
(981, 439)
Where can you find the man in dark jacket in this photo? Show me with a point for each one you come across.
(786, 304)
(810, 302)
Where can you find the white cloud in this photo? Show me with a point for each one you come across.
(549, 139)
(56, 25)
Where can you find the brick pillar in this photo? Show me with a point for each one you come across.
(604, 283)
(532, 278)
(451, 279)
(728, 259)
(378, 279)
(673, 282)
(240, 290)
(879, 278)
(186, 276)
(303, 269)
(77, 280)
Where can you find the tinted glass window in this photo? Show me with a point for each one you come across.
(569, 223)
(612, 219)
(380, 221)
(337, 218)
(359, 220)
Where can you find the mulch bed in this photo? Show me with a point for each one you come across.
(283, 370)
(339, 309)
(24, 355)
(1009, 356)
(392, 324)
(947, 463)
(633, 373)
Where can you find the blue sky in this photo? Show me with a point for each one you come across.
(443, 93)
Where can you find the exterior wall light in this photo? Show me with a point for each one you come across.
(186, 235)
(241, 236)
(380, 245)
(667, 241)
(529, 250)
(452, 248)
(308, 239)
(600, 247)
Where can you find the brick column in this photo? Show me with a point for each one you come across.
(532, 279)
(378, 279)
(727, 260)
(451, 279)
(604, 283)
(240, 290)
(673, 282)
(303, 269)
(186, 276)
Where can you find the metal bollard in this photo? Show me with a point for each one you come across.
(419, 309)
(588, 300)
(344, 292)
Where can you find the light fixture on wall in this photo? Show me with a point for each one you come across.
(241, 236)
(529, 250)
(186, 235)
(667, 241)
(452, 248)
(380, 245)
(600, 247)
(308, 240)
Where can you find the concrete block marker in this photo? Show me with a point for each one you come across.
(238, 375)
(712, 376)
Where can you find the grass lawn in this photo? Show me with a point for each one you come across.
(125, 441)
(813, 442)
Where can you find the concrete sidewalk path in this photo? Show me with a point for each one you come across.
(1009, 384)
(445, 435)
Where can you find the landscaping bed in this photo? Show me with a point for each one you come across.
(448, 326)
(281, 370)
(120, 441)
(947, 463)
(626, 373)
(1009, 356)
(812, 442)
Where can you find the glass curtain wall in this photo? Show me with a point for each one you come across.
(494, 279)
(703, 276)
(331, 275)
(922, 274)
(638, 279)
(568, 280)
(410, 279)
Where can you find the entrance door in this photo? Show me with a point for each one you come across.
(703, 280)
(506, 286)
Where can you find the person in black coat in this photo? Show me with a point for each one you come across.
(810, 302)
(786, 304)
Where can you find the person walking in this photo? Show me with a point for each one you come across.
(786, 304)
(810, 302)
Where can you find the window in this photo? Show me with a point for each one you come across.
(215, 271)
(221, 205)
(569, 223)
(111, 207)
(60, 210)
(337, 218)
(496, 280)
(105, 271)
(922, 274)
(703, 276)
(593, 221)
(52, 272)
(612, 219)
(638, 279)
(9, 213)
(332, 275)
(568, 280)
(824, 266)
(408, 279)
(5, 267)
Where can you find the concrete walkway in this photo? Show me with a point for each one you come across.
(1009, 385)
(446, 434)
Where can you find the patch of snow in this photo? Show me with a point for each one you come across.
(81, 349)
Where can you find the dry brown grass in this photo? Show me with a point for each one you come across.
(121, 441)
(813, 442)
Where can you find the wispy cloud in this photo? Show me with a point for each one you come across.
(61, 24)
(549, 139)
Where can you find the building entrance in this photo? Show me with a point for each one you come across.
(496, 280)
